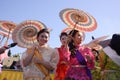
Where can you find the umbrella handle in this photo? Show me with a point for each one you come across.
(75, 25)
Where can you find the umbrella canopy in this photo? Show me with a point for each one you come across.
(25, 33)
(6, 28)
(78, 19)
(105, 43)
(96, 43)
(68, 29)
(5, 34)
(7, 25)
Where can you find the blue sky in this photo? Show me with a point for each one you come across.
(106, 13)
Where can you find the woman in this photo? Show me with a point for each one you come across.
(40, 59)
(64, 54)
(81, 59)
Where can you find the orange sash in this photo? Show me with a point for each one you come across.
(42, 68)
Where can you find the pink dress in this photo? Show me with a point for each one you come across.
(78, 71)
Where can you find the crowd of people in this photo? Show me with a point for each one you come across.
(70, 61)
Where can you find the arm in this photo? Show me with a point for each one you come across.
(42, 62)
(54, 59)
(28, 55)
(90, 58)
(50, 65)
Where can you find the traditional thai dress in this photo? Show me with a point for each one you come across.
(79, 66)
(109, 69)
(32, 72)
(62, 65)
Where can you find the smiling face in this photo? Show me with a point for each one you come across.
(78, 38)
(43, 37)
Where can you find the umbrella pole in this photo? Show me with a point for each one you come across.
(8, 36)
(73, 28)
(2, 40)
(72, 31)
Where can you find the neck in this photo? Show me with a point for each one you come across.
(76, 44)
(42, 45)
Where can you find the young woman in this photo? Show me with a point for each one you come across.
(40, 59)
(81, 59)
(64, 56)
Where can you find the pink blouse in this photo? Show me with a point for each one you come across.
(78, 71)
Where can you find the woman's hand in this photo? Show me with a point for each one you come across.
(63, 62)
(37, 60)
(69, 38)
(2, 50)
(88, 58)
(30, 54)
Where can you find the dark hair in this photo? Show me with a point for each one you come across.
(71, 45)
(96, 52)
(115, 43)
(63, 34)
(43, 30)
(73, 32)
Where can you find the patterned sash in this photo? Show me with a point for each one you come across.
(41, 67)
(82, 61)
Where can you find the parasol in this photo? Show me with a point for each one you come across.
(4, 34)
(7, 27)
(78, 19)
(105, 43)
(95, 43)
(25, 33)
(68, 29)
